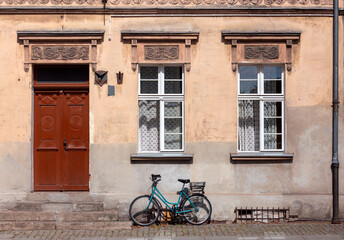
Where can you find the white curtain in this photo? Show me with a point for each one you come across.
(248, 125)
(149, 125)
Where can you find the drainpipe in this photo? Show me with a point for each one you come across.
(335, 106)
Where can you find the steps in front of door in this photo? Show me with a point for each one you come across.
(68, 211)
(107, 220)
(19, 220)
(59, 206)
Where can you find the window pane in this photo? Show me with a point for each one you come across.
(273, 86)
(173, 72)
(273, 72)
(149, 87)
(248, 87)
(149, 125)
(173, 125)
(272, 109)
(272, 141)
(173, 141)
(248, 72)
(248, 125)
(149, 72)
(173, 109)
(273, 125)
(173, 87)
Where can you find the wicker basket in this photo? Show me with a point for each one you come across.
(197, 187)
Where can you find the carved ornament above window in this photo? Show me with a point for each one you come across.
(160, 47)
(261, 52)
(161, 52)
(56, 47)
(263, 47)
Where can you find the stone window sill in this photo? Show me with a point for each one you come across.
(161, 157)
(262, 157)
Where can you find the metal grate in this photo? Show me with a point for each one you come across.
(262, 214)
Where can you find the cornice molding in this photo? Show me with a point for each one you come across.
(172, 3)
(145, 35)
(260, 36)
(187, 11)
(60, 35)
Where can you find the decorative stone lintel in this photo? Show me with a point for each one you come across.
(56, 47)
(160, 47)
(264, 47)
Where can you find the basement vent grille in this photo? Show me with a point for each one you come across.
(262, 215)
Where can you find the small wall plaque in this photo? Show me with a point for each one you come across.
(111, 90)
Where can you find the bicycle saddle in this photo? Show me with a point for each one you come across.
(184, 180)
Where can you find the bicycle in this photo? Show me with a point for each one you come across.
(195, 207)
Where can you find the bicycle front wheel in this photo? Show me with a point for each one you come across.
(144, 212)
(197, 209)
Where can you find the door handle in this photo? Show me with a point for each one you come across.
(65, 144)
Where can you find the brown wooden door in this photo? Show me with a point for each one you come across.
(61, 140)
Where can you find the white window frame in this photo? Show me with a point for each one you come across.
(162, 98)
(262, 97)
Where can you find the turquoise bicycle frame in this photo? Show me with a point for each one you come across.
(167, 203)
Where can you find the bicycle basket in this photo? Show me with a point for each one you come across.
(197, 187)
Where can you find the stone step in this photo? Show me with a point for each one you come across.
(27, 225)
(105, 216)
(59, 206)
(14, 225)
(60, 197)
(27, 216)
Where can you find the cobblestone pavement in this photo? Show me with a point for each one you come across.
(292, 231)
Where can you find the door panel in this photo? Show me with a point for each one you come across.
(76, 133)
(61, 140)
(47, 149)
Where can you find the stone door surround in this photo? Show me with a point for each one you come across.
(60, 47)
(160, 47)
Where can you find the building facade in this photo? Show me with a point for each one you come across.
(96, 96)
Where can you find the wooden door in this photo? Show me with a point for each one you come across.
(61, 140)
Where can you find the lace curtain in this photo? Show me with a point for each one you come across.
(149, 125)
(248, 125)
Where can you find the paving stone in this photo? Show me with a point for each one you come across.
(93, 225)
(186, 232)
(6, 235)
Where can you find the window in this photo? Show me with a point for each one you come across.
(161, 108)
(261, 108)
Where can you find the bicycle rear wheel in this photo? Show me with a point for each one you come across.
(144, 212)
(198, 209)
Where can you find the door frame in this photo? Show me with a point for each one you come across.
(51, 87)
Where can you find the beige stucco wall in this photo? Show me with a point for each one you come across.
(210, 116)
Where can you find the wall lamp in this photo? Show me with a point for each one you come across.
(119, 77)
